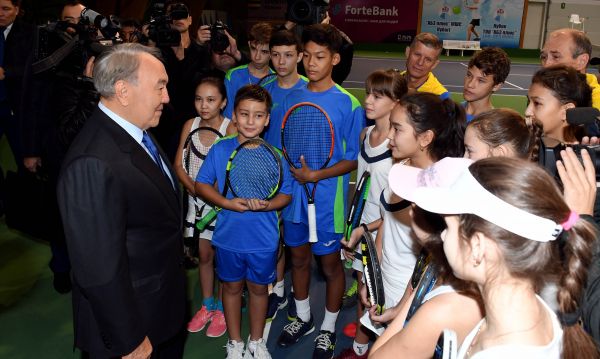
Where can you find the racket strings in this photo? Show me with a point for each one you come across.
(307, 133)
(196, 150)
(254, 173)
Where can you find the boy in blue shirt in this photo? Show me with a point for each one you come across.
(246, 234)
(321, 53)
(286, 53)
(258, 42)
(487, 71)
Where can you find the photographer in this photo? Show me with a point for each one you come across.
(62, 99)
(186, 63)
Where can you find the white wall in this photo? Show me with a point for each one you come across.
(537, 28)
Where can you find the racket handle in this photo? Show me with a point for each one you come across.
(348, 263)
(206, 220)
(312, 223)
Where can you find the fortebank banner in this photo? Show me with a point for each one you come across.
(376, 20)
(493, 22)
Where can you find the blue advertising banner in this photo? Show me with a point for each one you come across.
(493, 22)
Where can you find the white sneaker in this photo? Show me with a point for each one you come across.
(235, 350)
(261, 351)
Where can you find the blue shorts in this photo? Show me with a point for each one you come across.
(296, 234)
(257, 268)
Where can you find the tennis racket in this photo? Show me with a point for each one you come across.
(372, 272)
(196, 147)
(253, 171)
(447, 345)
(306, 130)
(358, 205)
(267, 79)
(426, 284)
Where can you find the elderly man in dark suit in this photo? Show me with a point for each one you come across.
(120, 205)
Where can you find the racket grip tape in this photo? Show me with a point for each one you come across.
(312, 223)
(206, 220)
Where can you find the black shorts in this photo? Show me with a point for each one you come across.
(475, 22)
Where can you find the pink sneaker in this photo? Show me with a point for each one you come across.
(200, 320)
(217, 325)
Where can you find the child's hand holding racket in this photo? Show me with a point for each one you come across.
(350, 244)
(304, 174)
(386, 316)
(237, 205)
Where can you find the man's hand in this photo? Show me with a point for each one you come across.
(32, 163)
(304, 174)
(203, 35)
(232, 49)
(590, 141)
(143, 351)
(579, 181)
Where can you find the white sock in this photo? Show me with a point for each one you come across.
(252, 344)
(360, 348)
(278, 288)
(329, 321)
(303, 309)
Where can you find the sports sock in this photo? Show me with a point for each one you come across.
(252, 344)
(218, 305)
(209, 303)
(329, 321)
(303, 309)
(278, 288)
(360, 348)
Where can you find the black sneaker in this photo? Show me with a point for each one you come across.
(291, 307)
(324, 345)
(275, 303)
(294, 331)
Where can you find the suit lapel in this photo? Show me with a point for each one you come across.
(144, 163)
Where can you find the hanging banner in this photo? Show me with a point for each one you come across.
(376, 20)
(493, 22)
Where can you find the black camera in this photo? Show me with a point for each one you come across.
(66, 47)
(159, 27)
(586, 117)
(307, 12)
(219, 41)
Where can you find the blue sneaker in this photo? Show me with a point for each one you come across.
(291, 307)
(275, 303)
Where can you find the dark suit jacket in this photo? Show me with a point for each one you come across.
(122, 220)
(17, 52)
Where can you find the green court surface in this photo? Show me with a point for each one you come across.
(518, 103)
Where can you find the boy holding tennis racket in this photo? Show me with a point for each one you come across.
(320, 140)
(246, 234)
(286, 53)
(251, 73)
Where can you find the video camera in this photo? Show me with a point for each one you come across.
(589, 119)
(307, 12)
(68, 46)
(159, 27)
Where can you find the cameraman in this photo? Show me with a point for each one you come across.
(62, 99)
